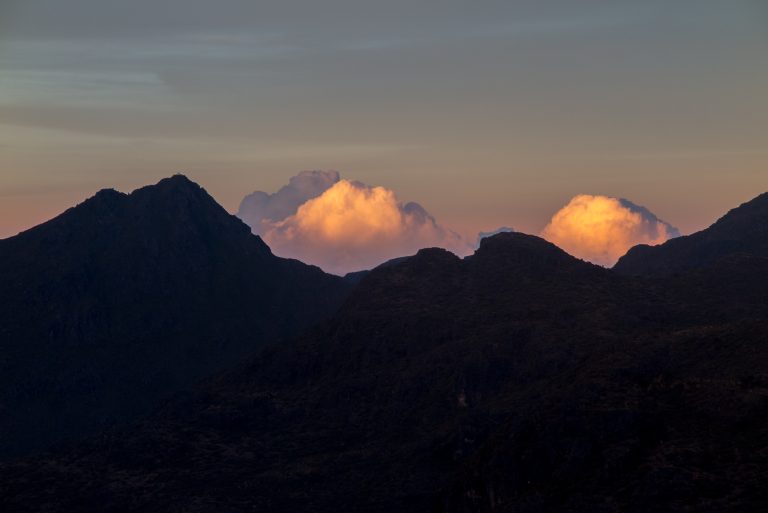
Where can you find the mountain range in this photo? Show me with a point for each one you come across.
(519, 379)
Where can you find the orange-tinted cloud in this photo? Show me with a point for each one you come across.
(601, 229)
(259, 209)
(352, 226)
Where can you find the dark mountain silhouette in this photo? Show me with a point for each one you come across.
(517, 380)
(356, 277)
(742, 230)
(126, 298)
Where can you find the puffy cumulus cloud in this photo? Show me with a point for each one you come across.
(601, 229)
(483, 235)
(260, 209)
(352, 226)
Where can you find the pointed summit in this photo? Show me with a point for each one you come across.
(178, 180)
(175, 188)
(179, 201)
(176, 184)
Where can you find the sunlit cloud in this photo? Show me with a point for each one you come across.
(260, 210)
(601, 229)
(352, 226)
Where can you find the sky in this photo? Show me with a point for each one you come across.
(488, 114)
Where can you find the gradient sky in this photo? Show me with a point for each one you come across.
(487, 113)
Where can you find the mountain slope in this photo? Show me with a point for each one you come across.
(742, 230)
(125, 299)
(519, 379)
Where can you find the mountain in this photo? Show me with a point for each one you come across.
(742, 230)
(519, 379)
(126, 298)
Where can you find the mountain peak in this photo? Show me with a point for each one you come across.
(431, 254)
(176, 185)
(108, 199)
(178, 181)
(179, 198)
(520, 249)
(104, 200)
(514, 239)
(108, 193)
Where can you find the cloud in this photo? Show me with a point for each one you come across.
(352, 226)
(601, 229)
(483, 235)
(260, 210)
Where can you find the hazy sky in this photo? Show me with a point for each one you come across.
(487, 113)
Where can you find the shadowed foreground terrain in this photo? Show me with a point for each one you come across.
(517, 380)
(125, 299)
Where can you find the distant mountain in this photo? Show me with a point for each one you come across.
(126, 298)
(517, 380)
(742, 230)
